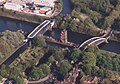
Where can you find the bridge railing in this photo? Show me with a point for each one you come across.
(106, 36)
(96, 42)
(88, 41)
(37, 28)
(40, 29)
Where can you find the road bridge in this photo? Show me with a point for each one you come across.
(41, 29)
(96, 40)
(88, 41)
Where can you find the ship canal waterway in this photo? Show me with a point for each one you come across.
(14, 25)
(78, 38)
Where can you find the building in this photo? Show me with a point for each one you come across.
(63, 36)
(89, 80)
(48, 3)
(12, 6)
(2, 2)
(44, 10)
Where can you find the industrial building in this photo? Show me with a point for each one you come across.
(12, 6)
(37, 7)
(49, 3)
(2, 2)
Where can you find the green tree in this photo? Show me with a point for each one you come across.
(65, 67)
(46, 69)
(20, 81)
(100, 73)
(104, 61)
(89, 58)
(39, 42)
(87, 69)
(51, 59)
(4, 71)
(94, 70)
(75, 54)
(58, 54)
(36, 74)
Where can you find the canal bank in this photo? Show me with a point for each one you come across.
(77, 38)
(20, 16)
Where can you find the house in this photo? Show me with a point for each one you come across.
(89, 80)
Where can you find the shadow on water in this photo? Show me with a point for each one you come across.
(16, 54)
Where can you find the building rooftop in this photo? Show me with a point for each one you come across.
(2, 1)
(44, 2)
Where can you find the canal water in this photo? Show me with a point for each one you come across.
(67, 7)
(14, 25)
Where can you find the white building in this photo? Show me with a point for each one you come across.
(2, 1)
(12, 6)
(45, 2)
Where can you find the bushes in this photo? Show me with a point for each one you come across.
(40, 72)
(9, 41)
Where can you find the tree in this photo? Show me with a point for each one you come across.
(39, 42)
(94, 70)
(20, 81)
(51, 59)
(75, 54)
(1, 78)
(73, 25)
(36, 74)
(4, 71)
(65, 67)
(89, 58)
(46, 69)
(93, 49)
(100, 73)
(104, 61)
(58, 54)
(87, 69)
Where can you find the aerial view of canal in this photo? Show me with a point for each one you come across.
(78, 38)
(14, 25)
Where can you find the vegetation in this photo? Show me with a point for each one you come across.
(65, 67)
(9, 41)
(92, 16)
(41, 60)
(39, 41)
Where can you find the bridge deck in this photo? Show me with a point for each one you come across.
(38, 28)
(88, 41)
(96, 42)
